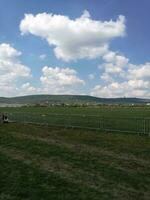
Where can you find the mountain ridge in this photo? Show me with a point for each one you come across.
(69, 99)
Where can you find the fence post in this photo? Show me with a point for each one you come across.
(99, 123)
(104, 124)
(148, 127)
(137, 126)
(144, 126)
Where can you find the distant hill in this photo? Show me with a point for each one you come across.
(69, 99)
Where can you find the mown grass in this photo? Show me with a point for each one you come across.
(114, 118)
(38, 162)
(104, 111)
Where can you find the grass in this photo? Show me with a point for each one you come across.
(38, 162)
(121, 118)
(104, 111)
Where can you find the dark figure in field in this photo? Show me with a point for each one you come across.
(3, 118)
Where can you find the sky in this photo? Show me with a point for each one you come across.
(86, 47)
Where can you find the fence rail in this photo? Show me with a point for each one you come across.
(133, 125)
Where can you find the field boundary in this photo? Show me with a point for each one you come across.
(90, 122)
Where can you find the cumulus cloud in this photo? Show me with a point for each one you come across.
(59, 80)
(11, 69)
(54, 80)
(27, 89)
(74, 39)
(114, 62)
(139, 71)
(107, 77)
(121, 78)
(134, 83)
(132, 88)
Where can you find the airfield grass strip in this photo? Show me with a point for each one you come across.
(21, 180)
(134, 143)
(83, 150)
(62, 169)
(114, 191)
(88, 163)
(122, 146)
(127, 163)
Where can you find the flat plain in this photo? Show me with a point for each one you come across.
(133, 119)
(44, 162)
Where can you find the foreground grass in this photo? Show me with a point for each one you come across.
(65, 164)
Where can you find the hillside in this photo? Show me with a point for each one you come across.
(69, 99)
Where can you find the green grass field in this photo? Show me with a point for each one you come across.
(105, 111)
(43, 163)
(105, 118)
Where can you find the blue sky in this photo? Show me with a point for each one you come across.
(92, 51)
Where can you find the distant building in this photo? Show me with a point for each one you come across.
(11, 105)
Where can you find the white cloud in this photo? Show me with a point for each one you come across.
(59, 80)
(114, 62)
(107, 77)
(8, 52)
(106, 91)
(27, 89)
(116, 65)
(139, 71)
(54, 81)
(121, 78)
(131, 88)
(74, 39)
(139, 84)
(11, 69)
